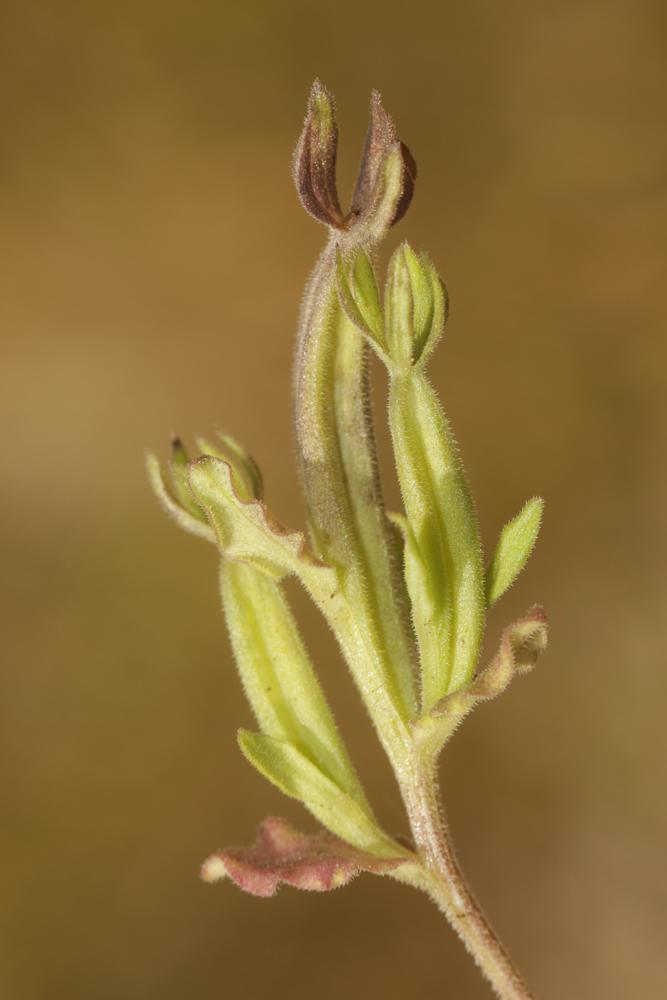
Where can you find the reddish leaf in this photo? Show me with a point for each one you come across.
(316, 862)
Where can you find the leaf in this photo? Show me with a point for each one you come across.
(195, 525)
(516, 542)
(315, 862)
(245, 528)
(521, 645)
(300, 778)
(277, 674)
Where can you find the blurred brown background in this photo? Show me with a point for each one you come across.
(152, 255)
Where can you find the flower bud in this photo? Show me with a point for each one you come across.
(314, 165)
(246, 474)
(415, 307)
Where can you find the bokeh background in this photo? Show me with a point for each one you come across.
(152, 254)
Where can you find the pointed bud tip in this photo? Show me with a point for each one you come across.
(314, 163)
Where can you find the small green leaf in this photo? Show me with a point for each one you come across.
(195, 524)
(516, 542)
(299, 778)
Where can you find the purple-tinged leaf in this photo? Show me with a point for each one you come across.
(520, 646)
(315, 862)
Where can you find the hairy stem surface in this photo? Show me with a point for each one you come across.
(440, 876)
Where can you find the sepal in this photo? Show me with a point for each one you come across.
(380, 139)
(516, 542)
(415, 306)
(245, 528)
(315, 862)
(181, 507)
(386, 179)
(314, 165)
(246, 473)
(359, 297)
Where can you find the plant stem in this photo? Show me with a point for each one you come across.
(440, 876)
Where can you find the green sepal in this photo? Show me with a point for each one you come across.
(298, 777)
(246, 474)
(178, 469)
(516, 542)
(277, 674)
(245, 528)
(415, 307)
(360, 298)
(194, 523)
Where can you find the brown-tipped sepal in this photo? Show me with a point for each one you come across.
(314, 165)
(381, 138)
(315, 862)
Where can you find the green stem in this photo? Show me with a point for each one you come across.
(440, 876)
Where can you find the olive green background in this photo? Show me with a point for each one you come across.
(152, 255)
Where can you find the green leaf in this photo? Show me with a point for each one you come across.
(516, 542)
(299, 778)
(194, 524)
(277, 673)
